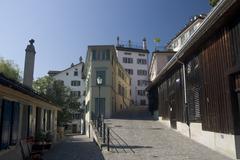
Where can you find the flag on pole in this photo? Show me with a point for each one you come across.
(157, 40)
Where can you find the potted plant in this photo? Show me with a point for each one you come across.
(48, 140)
(40, 136)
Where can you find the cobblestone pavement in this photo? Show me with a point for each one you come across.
(74, 148)
(151, 140)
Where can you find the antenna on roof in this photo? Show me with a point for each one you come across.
(118, 40)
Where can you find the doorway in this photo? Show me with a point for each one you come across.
(172, 110)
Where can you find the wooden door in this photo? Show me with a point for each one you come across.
(172, 110)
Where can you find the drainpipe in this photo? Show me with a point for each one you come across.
(185, 95)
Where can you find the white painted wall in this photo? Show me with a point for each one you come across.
(67, 82)
(177, 43)
(159, 60)
(220, 142)
(135, 77)
(70, 77)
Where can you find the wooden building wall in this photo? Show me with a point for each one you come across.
(212, 68)
(219, 55)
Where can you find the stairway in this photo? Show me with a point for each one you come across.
(135, 113)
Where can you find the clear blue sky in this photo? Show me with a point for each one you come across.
(63, 29)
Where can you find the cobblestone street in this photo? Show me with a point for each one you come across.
(146, 139)
(74, 148)
(151, 140)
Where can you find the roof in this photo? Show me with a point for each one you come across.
(120, 48)
(209, 24)
(101, 46)
(192, 21)
(53, 73)
(10, 83)
(166, 51)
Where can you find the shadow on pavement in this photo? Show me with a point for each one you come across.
(76, 147)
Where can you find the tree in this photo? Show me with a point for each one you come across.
(59, 94)
(213, 2)
(9, 69)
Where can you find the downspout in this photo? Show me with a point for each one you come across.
(185, 95)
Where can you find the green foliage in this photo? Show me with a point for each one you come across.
(213, 2)
(59, 94)
(40, 136)
(9, 69)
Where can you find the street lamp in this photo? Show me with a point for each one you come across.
(99, 83)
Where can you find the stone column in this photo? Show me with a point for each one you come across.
(29, 64)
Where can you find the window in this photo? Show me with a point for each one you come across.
(84, 93)
(141, 92)
(121, 90)
(142, 72)
(127, 53)
(191, 31)
(130, 71)
(94, 55)
(107, 55)
(127, 60)
(101, 74)
(76, 116)
(120, 74)
(142, 55)
(67, 74)
(141, 61)
(75, 83)
(75, 93)
(182, 39)
(101, 55)
(175, 44)
(75, 73)
(142, 83)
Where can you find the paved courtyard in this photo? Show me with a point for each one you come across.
(146, 140)
(150, 140)
(74, 148)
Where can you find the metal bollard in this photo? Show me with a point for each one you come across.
(104, 132)
(108, 139)
(100, 129)
(89, 131)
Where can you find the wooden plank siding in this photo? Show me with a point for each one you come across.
(219, 54)
(211, 97)
(172, 88)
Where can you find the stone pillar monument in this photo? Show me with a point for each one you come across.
(29, 64)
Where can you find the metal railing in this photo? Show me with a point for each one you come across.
(108, 137)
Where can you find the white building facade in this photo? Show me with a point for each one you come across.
(183, 36)
(135, 61)
(72, 78)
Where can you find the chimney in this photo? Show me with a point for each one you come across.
(144, 43)
(130, 44)
(29, 64)
(118, 41)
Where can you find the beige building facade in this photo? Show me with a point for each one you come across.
(114, 94)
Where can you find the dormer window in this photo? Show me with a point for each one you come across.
(75, 73)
